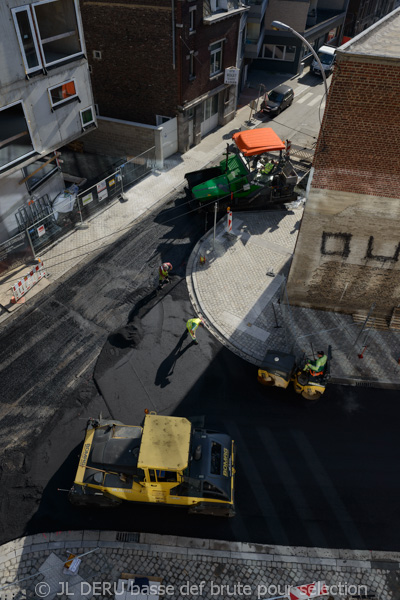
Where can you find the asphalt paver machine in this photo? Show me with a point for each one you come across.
(253, 174)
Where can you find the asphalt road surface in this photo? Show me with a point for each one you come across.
(104, 341)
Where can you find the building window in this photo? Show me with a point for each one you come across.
(217, 5)
(97, 54)
(48, 33)
(39, 171)
(287, 53)
(331, 35)
(15, 138)
(192, 19)
(160, 119)
(210, 107)
(27, 39)
(62, 92)
(87, 117)
(215, 58)
(191, 65)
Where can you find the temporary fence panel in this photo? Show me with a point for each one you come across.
(99, 195)
(137, 167)
(15, 251)
(111, 186)
(43, 222)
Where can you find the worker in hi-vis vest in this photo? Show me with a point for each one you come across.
(163, 273)
(191, 326)
(317, 368)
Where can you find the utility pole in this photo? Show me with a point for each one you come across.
(215, 222)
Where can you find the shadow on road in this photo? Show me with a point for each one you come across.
(166, 369)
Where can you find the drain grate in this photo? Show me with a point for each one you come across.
(364, 384)
(122, 536)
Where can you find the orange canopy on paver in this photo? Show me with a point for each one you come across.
(258, 141)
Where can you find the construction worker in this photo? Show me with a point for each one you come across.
(163, 273)
(317, 368)
(191, 326)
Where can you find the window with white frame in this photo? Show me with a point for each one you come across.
(59, 94)
(215, 58)
(192, 19)
(87, 117)
(48, 33)
(15, 137)
(278, 52)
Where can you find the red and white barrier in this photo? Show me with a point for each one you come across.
(229, 221)
(288, 147)
(310, 590)
(23, 285)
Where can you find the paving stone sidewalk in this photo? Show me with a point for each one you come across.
(31, 567)
(240, 290)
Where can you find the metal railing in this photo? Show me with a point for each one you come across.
(15, 251)
(40, 228)
(114, 185)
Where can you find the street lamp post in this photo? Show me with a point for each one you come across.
(283, 27)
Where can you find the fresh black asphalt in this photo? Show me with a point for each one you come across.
(104, 341)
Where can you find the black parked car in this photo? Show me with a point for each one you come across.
(277, 100)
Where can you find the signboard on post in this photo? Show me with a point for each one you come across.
(231, 76)
(41, 230)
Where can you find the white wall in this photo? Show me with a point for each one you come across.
(49, 129)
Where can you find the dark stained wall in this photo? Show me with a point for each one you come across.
(135, 78)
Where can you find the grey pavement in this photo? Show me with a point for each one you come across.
(240, 291)
(33, 567)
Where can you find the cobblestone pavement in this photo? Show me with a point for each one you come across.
(240, 290)
(32, 567)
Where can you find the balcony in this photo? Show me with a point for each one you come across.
(253, 46)
(257, 8)
(217, 10)
(324, 19)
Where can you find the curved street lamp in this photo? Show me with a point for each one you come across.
(283, 27)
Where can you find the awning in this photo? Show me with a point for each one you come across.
(258, 141)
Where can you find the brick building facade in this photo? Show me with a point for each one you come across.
(348, 250)
(162, 60)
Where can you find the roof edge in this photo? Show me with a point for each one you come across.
(344, 48)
